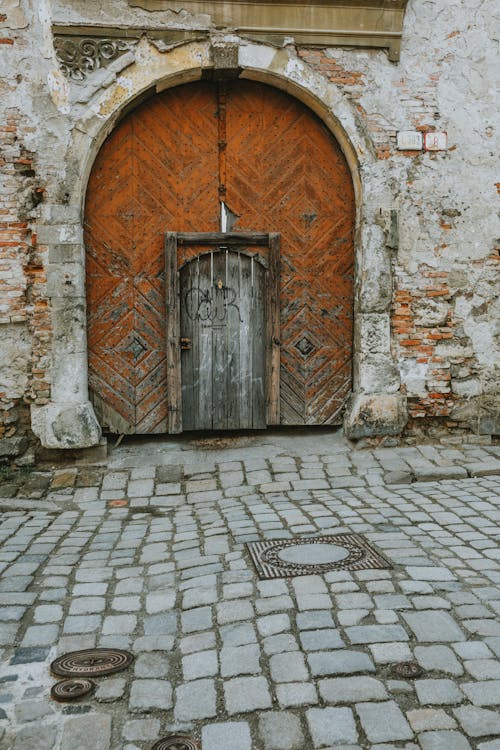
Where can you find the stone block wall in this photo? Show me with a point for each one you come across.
(427, 304)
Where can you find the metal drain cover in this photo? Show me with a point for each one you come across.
(408, 670)
(92, 662)
(71, 690)
(283, 558)
(176, 742)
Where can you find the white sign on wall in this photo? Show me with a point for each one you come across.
(410, 140)
(436, 141)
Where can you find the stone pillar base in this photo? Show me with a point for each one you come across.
(375, 414)
(66, 425)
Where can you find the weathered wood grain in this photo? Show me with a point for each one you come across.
(173, 335)
(222, 312)
(159, 171)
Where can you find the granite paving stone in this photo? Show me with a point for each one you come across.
(320, 640)
(478, 722)
(438, 692)
(244, 694)
(425, 719)
(151, 665)
(195, 700)
(228, 735)
(439, 658)
(339, 662)
(484, 693)
(352, 689)
(288, 667)
(383, 722)
(443, 740)
(434, 627)
(331, 726)
(141, 729)
(296, 694)
(244, 663)
(111, 689)
(376, 634)
(239, 660)
(281, 731)
(42, 737)
(148, 694)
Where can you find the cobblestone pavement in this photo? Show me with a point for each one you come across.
(146, 552)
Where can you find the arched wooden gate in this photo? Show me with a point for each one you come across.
(205, 157)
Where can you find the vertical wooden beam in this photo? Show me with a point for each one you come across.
(174, 391)
(273, 330)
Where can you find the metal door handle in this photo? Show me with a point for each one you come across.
(185, 344)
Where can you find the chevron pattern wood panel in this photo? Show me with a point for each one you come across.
(286, 173)
(165, 168)
(158, 171)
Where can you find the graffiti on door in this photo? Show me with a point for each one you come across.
(211, 306)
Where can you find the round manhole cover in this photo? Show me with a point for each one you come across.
(71, 690)
(93, 662)
(408, 670)
(176, 742)
(313, 554)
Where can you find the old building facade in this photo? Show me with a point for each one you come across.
(352, 145)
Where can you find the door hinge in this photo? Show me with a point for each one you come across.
(185, 344)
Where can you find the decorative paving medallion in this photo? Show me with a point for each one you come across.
(71, 690)
(408, 670)
(92, 662)
(282, 558)
(176, 742)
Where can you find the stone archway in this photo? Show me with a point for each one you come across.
(68, 420)
(175, 164)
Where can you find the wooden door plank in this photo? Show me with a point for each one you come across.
(188, 356)
(219, 345)
(223, 238)
(205, 338)
(195, 346)
(235, 340)
(174, 399)
(273, 331)
(258, 344)
(245, 358)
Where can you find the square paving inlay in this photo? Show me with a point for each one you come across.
(283, 558)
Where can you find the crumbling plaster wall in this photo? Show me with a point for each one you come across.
(427, 280)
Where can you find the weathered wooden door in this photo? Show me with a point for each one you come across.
(223, 361)
(174, 164)
(222, 332)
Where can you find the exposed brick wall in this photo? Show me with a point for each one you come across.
(421, 108)
(22, 275)
(331, 68)
(418, 342)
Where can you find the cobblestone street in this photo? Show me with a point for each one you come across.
(146, 552)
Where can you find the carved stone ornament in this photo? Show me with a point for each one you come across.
(79, 56)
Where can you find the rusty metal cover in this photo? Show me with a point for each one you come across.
(93, 662)
(71, 690)
(408, 670)
(277, 559)
(176, 742)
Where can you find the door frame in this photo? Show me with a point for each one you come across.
(224, 240)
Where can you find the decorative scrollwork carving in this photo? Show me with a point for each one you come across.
(78, 57)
